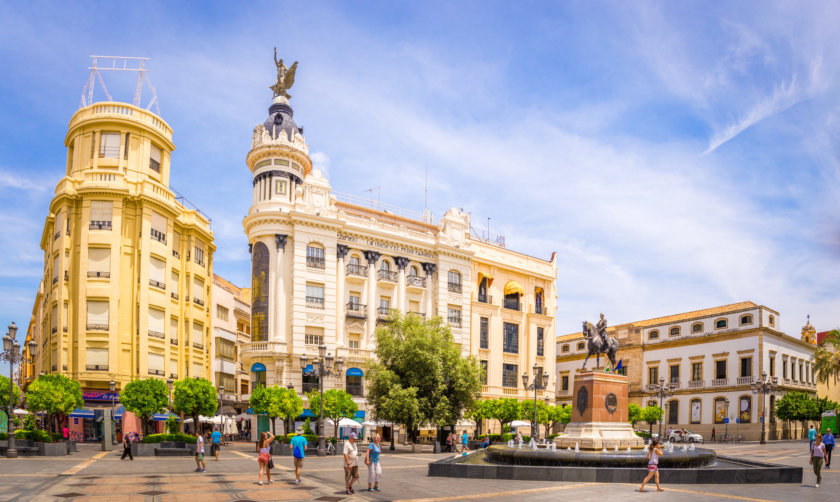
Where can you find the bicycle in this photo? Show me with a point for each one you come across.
(330, 448)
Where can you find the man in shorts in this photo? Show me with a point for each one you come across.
(299, 444)
(351, 465)
(199, 452)
(216, 445)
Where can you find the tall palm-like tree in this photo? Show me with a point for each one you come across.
(827, 358)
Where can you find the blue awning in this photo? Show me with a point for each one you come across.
(355, 372)
(257, 367)
(307, 413)
(360, 414)
(82, 413)
(308, 368)
(118, 413)
(161, 417)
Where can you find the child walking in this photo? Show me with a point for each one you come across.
(653, 454)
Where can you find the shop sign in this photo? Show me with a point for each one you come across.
(97, 395)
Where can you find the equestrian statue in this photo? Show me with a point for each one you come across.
(599, 343)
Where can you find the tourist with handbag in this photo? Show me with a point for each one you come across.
(264, 457)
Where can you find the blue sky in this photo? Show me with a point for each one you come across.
(676, 155)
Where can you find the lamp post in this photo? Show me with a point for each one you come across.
(540, 382)
(323, 366)
(221, 391)
(726, 402)
(661, 390)
(286, 420)
(763, 386)
(11, 353)
(112, 386)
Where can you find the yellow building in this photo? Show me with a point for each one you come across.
(127, 268)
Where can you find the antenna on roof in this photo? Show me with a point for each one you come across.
(118, 63)
(371, 189)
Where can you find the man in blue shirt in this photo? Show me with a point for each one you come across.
(828, 442)
(812, 435)
(216, 445)
(299, 444)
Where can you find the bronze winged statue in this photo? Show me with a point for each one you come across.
(285, 77)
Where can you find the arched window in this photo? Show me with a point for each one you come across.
(384, 265)
(310, 381)
(653, 334)
(746, 319)
(482, 290)
(257, 376)
(697, 327)
(721, 324)
(538, 301)
(260, 259)
(745, 409)
(513, 293)
(675, 331)
(412, 271)
(673, 412)
(354, 381)
(453, 281)
(695, 410)
(355, 261)
(720, 410)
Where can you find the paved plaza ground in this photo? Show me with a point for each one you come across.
(93, 475)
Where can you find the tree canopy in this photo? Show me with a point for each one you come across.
(276, 402)
(634, 414)
(4, 395)
(194, 397)
(422, 356)
(827, 358)
(338, 404)
(144, 398)
(54, 394)
(506, 410)
(651, 415)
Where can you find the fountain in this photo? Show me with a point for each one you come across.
(577, 450)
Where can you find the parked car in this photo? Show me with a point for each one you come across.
(688, 437)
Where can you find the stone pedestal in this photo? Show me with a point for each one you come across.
(599, 414)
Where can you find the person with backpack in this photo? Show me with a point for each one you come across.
(299, 445)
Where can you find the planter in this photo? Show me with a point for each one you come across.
(52, 449)
(281, 449)
(417, 448)
(144, 449)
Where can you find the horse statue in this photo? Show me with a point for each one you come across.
(595, 345)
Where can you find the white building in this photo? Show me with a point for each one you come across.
(231, 313)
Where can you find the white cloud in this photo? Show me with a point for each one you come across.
(17, 181)
(321, 162)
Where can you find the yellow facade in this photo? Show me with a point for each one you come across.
(127, 268)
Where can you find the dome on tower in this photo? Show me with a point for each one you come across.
(280, 120)
(809, 333)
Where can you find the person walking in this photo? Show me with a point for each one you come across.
(351, 466)
(713, 433)
(450, 441)
(216, 445)
(464, 441)
(828, 442)
(264, 457)
(812, 435)
(372, 461)
(299, 445)
(817, 458)
(126, 440)
(199, 452)
(653, 454)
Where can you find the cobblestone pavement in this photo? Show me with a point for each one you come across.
(92, 475)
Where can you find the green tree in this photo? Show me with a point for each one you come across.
(400, 406)
(481, 410)
(827, 358)
(338, 404)
(144, 398)
(4, 395)
(193, 397)
(552, 418)
(651, 415)
(418, 355)
(506, 410)
(527, 410)
(56, 395)
(794, 407)
(565, 415)
(634, 414)
(276, 402)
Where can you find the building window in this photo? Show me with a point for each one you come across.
(225, 349)
(482, 290)
(720, 410)
(581, 345)
(354, 385)
(674, 373)
(653, 334)
(315, 296)
(746, 366)
(653, 375)
(539, 306)
(313, 339)
(226, 381)
(696, 372)
(564, 382)
(512, 301)
(695, 410)
(746, 319)
(745, 409)
(453, 281)
(310, 382)
(154, 159)
(675, 331)
(158, 224)
(771, 321)
(109, 145)
(483, 333)
(97, 315)
(697, 327)
(510, 376)
(280, 187)
(622, 370)
(99, 262)
(315, 257)
(511, 338)
(353, 342)
(540, 342)
(720, 369)
(258, 380)
(483, 371)
(222, 312)
(97, 359)
(157, 320)
(721, 324)
(772, 408)
(673, 412)
(565, 348)
(101, 212)
(199, 255)
(772, 365)
(453, 317)
(157, 273)
(784, 369)
(259, 292)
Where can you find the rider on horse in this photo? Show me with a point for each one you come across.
(602, 329)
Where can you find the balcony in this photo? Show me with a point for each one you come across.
(454, 322)
(675, 384)
(156, 372)
(745, 380)
(387, 275)
(173, 341)
(158, 236)
(695, 384)
(176, 254)
(415, 281)
(255, 349)
(97, 327)
(156, 334)
(198, 345)
(173, 376)
(356, 310)
(541, 309)
(315, 262)
(720, 382)
(154, 165)
(174, 295)
(383, 313)
(157, 284)
(354, 270)
(421, 315)
(101, 275)
(100, 225)
(315, 302)
(485, 299)
(453, 287)
(355, 390)
(97, 367)
(308, 386)
(198, 301)
(512, 304)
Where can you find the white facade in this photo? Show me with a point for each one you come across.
(230, 314)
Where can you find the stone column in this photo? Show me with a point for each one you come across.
(372, 258)
(278, 334)
(340, 252)
(429, 268)
(402, 263)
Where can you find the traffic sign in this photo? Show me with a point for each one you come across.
(726, 420)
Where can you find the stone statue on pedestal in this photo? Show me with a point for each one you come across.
(599, 343)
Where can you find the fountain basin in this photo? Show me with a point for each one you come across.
(634, 458)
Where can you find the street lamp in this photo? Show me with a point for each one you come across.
(763, 386)
(169, 383)
(112, 385)
(726, 402)
(663, 391)
(11, 353)
(540, 382)
(323, 366)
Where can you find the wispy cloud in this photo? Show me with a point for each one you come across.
(17, 180)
